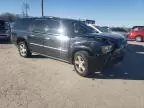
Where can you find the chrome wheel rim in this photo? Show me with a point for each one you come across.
(138, 38)
(80, 64)
(22, 49)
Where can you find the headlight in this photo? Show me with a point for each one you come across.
(106, 49)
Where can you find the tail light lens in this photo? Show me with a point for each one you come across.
(131, 33)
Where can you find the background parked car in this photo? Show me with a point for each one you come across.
(106, 30)
(137, 27)
(137, 33)
(119, 30)
(4, 30)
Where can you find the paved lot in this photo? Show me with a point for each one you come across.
(40, 82)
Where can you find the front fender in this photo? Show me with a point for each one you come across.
(79, 48)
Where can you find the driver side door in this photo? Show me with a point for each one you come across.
(36, 36)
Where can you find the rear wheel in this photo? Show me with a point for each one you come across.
(81, 63)
(139, 39)
(23, 49)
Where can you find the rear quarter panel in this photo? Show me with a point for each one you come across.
(133, 34)
(83, 43)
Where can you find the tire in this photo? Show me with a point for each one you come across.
(139, 38)
(23, 49)
(81, 64)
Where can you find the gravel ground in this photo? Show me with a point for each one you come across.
(40, 82)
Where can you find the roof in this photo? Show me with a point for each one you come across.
(50, 17)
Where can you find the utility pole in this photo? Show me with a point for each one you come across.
(42, 10)
(26, 7)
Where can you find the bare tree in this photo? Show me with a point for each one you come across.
(8, 17)
(25, 8)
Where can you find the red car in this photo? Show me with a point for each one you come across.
(137, 33)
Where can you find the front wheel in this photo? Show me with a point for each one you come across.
(23, 49)
(139, 39)
(81, 63)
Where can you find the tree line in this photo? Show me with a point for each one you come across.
(10, 17)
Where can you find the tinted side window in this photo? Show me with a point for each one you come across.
(81, 28)
(36, 26)
(21, 24)
(69, 27)
(44, 25)
(52, 26)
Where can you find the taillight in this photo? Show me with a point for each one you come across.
(131, 33)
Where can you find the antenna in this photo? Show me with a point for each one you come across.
(42, 10)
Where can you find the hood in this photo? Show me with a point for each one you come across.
(115, 39)
(105, 35)
(112, 35)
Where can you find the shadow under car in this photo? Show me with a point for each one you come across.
(5, 41)
(131, 68)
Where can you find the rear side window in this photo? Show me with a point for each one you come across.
(21, 24)
(53, 26)
(36, 25)
(44, 25)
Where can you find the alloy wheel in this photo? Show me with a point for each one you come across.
(80, 64)
(138, 39)
(23, 50)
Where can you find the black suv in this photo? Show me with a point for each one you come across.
(4, 30)
(68, 40)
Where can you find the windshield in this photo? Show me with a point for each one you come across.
(85, 29)
(102, 29)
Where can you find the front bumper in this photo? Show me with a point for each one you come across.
(100, 62)
(115, 57)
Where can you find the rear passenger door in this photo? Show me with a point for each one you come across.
(52, 44)
(56, 41)
(36, 37)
